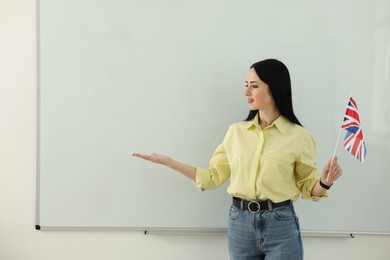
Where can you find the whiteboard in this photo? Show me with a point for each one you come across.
(117, 77)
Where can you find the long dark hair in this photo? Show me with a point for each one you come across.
(275, 74)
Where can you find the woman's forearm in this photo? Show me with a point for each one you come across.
(186, 170)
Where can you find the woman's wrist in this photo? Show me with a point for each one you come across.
(325, 185)
(169, 162)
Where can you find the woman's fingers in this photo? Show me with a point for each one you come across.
(143, 156)
(335, 170)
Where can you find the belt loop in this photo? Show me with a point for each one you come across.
(242, 204)
(269, 205)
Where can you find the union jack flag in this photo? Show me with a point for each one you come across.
(353, 141)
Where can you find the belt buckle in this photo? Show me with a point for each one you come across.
(257, 204)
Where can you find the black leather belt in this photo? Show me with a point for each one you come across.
(256, 206)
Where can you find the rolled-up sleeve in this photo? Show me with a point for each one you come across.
(217, 173)
(306, 170)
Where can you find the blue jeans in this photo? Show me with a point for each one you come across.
(269, 235)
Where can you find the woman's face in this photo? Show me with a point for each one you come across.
(258, 93)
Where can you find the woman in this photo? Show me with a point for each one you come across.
(270, 160)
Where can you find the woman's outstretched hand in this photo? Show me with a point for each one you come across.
(186, 170)
(153, 157)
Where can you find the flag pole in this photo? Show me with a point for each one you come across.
(334, 153)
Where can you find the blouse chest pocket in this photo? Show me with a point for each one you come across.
(276, 161)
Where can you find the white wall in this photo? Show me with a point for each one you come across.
(18, 237)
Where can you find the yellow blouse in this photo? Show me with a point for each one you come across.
(276, 163)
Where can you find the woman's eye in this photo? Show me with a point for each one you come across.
(253, 86)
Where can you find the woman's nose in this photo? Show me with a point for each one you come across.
(247, 92)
